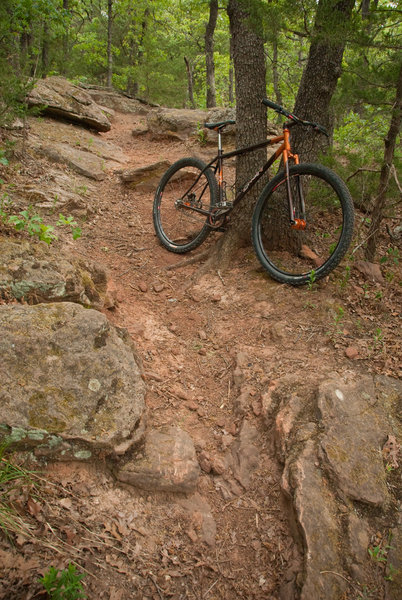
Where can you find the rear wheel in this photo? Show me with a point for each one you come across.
(323, 205)
(184, 191)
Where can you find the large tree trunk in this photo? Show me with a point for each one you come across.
(389, 149)
(321, 74)
(209, 53)
(251, 125)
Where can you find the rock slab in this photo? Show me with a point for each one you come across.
(60, 98)
(69, 378)
(33, 273)
(168, 463)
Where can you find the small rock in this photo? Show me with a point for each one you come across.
(218, 468)
(371, 271)
(202, 335)
(231, 428)
(169, 463)
(204, 462)
(352, 352)
(158, 287)
(256, 405)
(143, 286)
(191, 405)
(192, 535)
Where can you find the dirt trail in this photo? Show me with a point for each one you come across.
(210, 348)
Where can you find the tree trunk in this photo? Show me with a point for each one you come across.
(65, 56)
(109, 43)
(136, 55)
(251, 125)
(45, 50)
(389, 149)
(209, 53)
(320, 76)
(231, 76)
(190, 82)
(275, 74)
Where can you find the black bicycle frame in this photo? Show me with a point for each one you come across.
(218, 168)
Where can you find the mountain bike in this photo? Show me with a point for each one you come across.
(302, 223)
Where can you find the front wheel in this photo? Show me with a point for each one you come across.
(186, 192)
(323, 209)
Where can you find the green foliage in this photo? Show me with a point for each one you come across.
(63, 585)
(12, 477)
(378, 554)
(29, 221)
(3, 158)
(312, 280)
(32, 223)
(69, 221)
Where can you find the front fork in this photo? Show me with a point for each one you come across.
(299, 221)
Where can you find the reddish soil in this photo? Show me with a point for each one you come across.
(190, 334)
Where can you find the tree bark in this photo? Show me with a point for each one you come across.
(231, 75)
(45, 50)
(251, 125)
(190, 82)
(389, 149)
(109, 43)
(320, 76)
(209, 53)
(275, 74)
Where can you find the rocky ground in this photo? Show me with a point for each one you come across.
(240, 363)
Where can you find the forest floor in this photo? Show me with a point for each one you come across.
(190, 334)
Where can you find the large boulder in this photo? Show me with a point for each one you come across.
(331, 438)
(175, 123)
(85, 153)
(117, 101)
(70, 385)
(34, 273)
(60, 98)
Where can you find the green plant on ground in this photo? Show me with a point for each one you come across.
(3, 158)
(32, 223)
(392, 255)
(27, 220)
(5, 207)
(63, 585)
(311, 281)
(378, 554)
(75, 230)
(202, 136)
(344, 281)
(12, 476)
(378, 340)
(336, 325)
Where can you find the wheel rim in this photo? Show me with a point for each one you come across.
(184, 189)
(301, 253)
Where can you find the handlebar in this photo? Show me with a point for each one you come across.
(296, 120)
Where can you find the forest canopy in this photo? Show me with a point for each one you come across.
(158, 50)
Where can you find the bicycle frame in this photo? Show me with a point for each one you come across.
(217, 164)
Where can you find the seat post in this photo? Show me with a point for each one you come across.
(219, 141)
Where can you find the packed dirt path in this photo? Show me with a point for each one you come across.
(201, 341)
(211, 348)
